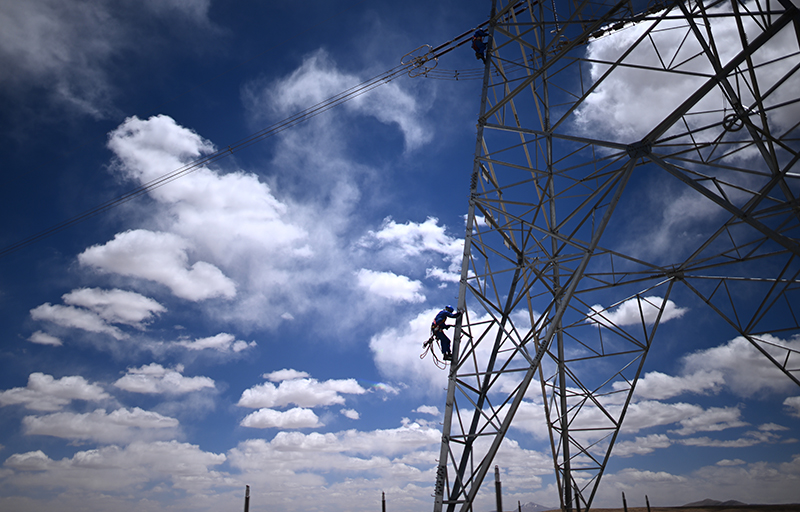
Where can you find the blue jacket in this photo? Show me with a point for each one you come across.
(441, 318)
(477, 40)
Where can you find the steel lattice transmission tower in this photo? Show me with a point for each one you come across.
(563, 286)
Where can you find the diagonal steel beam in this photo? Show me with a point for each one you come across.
(786, 242)
(564, 300)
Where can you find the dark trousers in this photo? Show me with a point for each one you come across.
(443, 339)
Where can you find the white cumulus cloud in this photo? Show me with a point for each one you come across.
(155, 379)
(285, 374)
(115, 306)
(119, 426)
(642, 445)
(45, 393)
(296, 417)
(638, 310)
(222, 342)
(660, 386)
(42, 338)
(119, 469)
(160, 257)
(746, 371)
(792, 406)
(301, 392)
(76, 318)
(350, 413)
(390, 286)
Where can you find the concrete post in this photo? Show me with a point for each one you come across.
(497, 489)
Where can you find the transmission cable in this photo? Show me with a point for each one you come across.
(364, 87)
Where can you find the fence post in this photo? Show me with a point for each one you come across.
(624, 503)
(647, 500)
(383, 501)
(247, 498)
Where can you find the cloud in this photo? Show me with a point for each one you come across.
(65, 45)
(42, 338)
(119, 471)
(222, 342)
(668, 220)
(792, 406)
(160, 257)
(350, 413)
(287, 445)
(630, 102)
(642, 445)
(728, 462)
(589, 426)
(78, 318)
(390, 286)
(399, 243)
(746, 371)
(720, 443)
(692, 418)
(121, 425)
(293, 418)
(317, 80)
(396, 352)
(736, 366)
(224, 214)
(44, 393)
(428, 409)
(772, 427)
(301, 392)
(194, 10)
(285, 374)
(660, 386)
(294, 465)
(269, 253)
(713, 419)
(768, 481)
(636, 311)
(116, 306)
(155, 379)
(94, 310)
(67, 48)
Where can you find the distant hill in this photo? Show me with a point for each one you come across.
(714, 503)
(526, 507)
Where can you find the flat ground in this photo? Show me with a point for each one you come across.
(795, 507)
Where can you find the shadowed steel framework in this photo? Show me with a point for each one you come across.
(564, 295)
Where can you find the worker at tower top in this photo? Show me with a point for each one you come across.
(438, 327)
(478, 45)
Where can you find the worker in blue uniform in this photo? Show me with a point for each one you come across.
(438, 327)
(478, 45)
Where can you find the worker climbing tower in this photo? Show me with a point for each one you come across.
(635, 160)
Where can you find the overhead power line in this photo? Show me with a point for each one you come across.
(416, 63)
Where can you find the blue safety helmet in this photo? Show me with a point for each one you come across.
(449, 308)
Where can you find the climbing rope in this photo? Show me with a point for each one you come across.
(427, 346)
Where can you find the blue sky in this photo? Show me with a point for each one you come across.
(259, 321)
